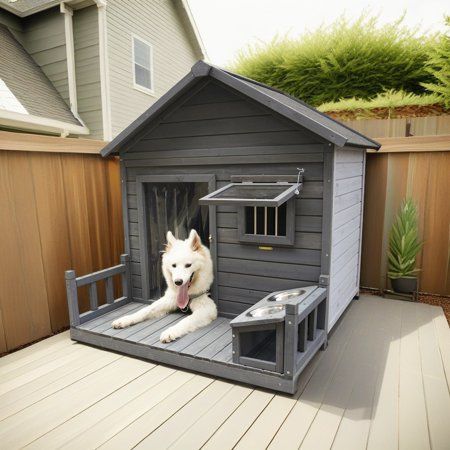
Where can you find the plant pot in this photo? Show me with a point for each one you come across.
(404, 285)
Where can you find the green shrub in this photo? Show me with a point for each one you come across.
(390, 100)
(344, 60)
(439, 66)
(404, 243)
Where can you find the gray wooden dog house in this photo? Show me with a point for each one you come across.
(275, 189)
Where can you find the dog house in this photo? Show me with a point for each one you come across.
(274, 188)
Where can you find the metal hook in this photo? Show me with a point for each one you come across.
(301, 171)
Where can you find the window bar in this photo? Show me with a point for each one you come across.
(265, 220)
(276, 220)
(255, 218)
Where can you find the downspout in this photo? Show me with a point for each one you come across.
(70, 58)
(104, 70)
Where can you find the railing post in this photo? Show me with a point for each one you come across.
(72, 298)
(93, 297)
(126, 276)
(290, 339)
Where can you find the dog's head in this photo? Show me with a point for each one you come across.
(187, 263)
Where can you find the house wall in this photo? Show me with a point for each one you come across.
(348, 194)
(173, 54)
(44, 39)
(219, 132)
(87, 69)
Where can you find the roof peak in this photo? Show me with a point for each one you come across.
(274, 99)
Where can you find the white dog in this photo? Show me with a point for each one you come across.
(188, 270)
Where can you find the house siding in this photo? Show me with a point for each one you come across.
(44, 39)
(349, 167)
(173, 55)
(87, 69)
(219, 132)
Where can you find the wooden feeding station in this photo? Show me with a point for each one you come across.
(274, 188)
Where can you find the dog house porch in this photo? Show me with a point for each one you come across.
(267, 350)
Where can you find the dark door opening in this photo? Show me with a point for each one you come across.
(172, 206)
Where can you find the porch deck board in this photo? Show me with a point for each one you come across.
(382, 382)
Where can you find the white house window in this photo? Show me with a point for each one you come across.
(142, 65)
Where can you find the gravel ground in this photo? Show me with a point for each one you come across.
(437, 300)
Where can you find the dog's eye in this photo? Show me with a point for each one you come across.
(174, 265)
(188, 265)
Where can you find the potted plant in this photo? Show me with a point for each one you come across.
(404, 244)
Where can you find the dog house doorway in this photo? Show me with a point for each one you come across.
(171, 202)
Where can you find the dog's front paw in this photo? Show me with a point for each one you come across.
(168, 335)
(122, 322)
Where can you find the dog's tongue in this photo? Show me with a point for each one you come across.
(183, 297)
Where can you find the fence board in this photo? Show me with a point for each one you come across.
(58, 211)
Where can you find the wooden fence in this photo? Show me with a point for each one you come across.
(391, 177)
(60, 208)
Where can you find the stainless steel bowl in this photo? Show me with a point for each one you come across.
(264, 311)
(283, 296)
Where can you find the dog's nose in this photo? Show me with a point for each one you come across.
(178, 282)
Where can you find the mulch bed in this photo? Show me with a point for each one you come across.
(389, 113)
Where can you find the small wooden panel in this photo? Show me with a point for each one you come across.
(37, 143)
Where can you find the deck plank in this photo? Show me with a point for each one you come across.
(296, 425)
(184, 341)
(152, 336)
(228, 435)
(210, 351)
(26, 426)
(124, 333)
(413, 426)
(115, 420)
(32, 353)
(136, 431)
(434, 380)
(109, 405)
(226, 354)
(199, 433)
(152, 327)
(206, 340)
(47, 365)
(384, 422)
(102, 323)
(59, 379)
(382, 383)
(175, 426)
(359, 353)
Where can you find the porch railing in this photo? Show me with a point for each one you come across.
(73, 283)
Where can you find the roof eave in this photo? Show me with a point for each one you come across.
(192, 29)
(31, 122)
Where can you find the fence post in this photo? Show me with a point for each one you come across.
(126, 276)
(72, 298)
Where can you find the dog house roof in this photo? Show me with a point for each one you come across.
(284, 104)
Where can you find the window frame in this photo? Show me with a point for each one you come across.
(287, 240)
(283, 197)
(138, 87)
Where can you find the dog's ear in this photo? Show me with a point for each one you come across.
(195, 241)
(170, 240)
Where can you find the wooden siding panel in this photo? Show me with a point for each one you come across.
(346, 226)
(87, 69)
(241, 140)
(173, 54)
(44, 39)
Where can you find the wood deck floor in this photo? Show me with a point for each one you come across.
(383, 383)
